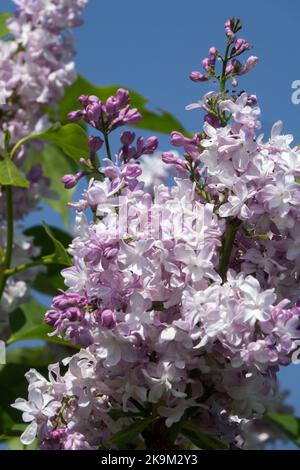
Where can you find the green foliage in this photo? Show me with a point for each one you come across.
(27, 322)
(158, 121)
(55, 164)
(60, 255)
(288, 425)
(10, 175)
(3, 28)
(50, 281)
(130, 433)
(202, 441)
(70, 138)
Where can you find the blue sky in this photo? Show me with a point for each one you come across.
(152, 46)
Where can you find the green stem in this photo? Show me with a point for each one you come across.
(23, 267)
(228, 242)
(107, 145)
(223, 76)
(105, 133)
(9, 238)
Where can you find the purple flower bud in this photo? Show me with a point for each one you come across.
(206, 64)
(240, 46)
(198, 77)
(169, 158)
(127, 138)
(51, 317)
(112, 105)
(132, 116)
(250, 63)
(74, 116)
(229, 68)
(177, 139)
(212, 120)
(133, 170)
(84, 100)
(110, 252)
(95, 143)
(57, 434)
(212, 54)
(74, 314)
(70, 181)
(94, 111)
(123, 97)
(126, 115)
(229, 26)
(139, 146)
(150, 145)
(68, 299)
(93, 99)
(108, 319)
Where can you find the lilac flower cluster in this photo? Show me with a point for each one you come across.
(232, 67)
(35, 68)
(106, 117)
(36, 65)
(182, 299)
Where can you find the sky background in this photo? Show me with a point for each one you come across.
(151, 47)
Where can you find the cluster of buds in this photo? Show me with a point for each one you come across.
(231, 66)
(106, 117)
(128, 151)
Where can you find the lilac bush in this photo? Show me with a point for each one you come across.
(36, 65)
(182, 299)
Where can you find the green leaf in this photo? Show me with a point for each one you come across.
(71, 138)
(50, 281)
(158, 121)
(3, 28)
(46, 243)
(55, 164)
(16, 444)
(202, 441)
(60, 255)
(131, 432)
(38, 332)
(25, 319)
(27, 322)
(288, 424)
(10, 175)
